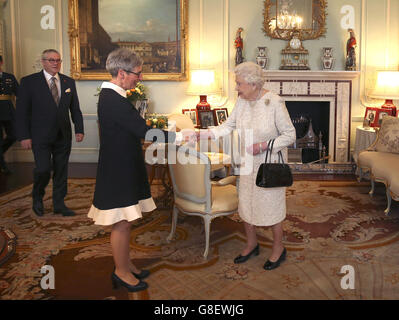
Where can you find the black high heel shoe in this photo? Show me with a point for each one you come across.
(241, 259)
(273, 265)
(118, 282)
(142, 275)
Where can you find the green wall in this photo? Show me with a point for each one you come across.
(212, 28)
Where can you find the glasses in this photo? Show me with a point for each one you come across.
(136, 73)
(54, 60)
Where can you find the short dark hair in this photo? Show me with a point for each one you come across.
(1, 58)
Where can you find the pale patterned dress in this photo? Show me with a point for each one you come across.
(269, 119)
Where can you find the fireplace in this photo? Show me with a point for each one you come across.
(312, 123)
(319, 90)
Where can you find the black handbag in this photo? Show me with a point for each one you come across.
(273, 175)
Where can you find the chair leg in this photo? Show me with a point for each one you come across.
(174, 223)
(389, 198)
(359, 178)
(207, 225)
(372, 187)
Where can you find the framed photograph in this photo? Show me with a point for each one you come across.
(192, 113)
(381, 113)
(206, 119)
(155, 29)
(370, 117)
(142, 107)
(220, 115)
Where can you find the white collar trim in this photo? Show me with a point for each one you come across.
(118, 89)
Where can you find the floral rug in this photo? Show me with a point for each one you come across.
(329, 225)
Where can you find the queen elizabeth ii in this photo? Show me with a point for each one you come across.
(263, 116)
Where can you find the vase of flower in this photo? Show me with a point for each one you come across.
(137, 97)
(156, 121)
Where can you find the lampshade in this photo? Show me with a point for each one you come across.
(387, 85)
(202, 82)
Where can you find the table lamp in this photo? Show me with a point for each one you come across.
(387, 87)
(202, 83)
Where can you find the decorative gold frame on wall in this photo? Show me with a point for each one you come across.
(74, 41)
(318, 14)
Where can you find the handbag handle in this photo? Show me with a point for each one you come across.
(270, 149)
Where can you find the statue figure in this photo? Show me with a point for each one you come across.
(350, 64)
(239, 44)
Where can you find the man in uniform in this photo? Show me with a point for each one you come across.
(8, 89)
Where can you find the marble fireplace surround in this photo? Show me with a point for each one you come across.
(332, 86)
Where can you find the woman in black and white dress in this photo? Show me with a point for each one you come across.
(122, 190)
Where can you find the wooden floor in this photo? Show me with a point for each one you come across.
(23, 175)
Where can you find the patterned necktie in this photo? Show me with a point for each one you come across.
(54, 90)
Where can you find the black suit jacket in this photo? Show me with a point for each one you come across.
(38, 116)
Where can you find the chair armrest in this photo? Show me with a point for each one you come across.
(225, 181)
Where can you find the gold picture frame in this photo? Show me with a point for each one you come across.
(88, 50)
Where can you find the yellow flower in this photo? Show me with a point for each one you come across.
(138, 90)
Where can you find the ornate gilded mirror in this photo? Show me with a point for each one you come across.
(306, 17)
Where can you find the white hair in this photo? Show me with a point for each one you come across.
(251, 73)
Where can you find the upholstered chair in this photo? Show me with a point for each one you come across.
(194, 194)
(381, 160)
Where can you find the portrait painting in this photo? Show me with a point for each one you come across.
(155, 29)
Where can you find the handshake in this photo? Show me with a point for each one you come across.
(191, 137)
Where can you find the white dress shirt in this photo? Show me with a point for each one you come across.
(57, 82)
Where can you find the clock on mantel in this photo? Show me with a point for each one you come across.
(294, 55)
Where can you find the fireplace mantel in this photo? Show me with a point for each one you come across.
(333, 86)
(319, 75)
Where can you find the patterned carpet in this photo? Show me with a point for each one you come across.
(329, 225)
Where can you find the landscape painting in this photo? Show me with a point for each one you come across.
(154, 29)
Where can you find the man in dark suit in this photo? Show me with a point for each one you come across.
(8, 89)
(44, 102)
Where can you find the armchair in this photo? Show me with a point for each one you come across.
(194, 194)
(381, 160)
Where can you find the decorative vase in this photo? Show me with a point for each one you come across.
(142, 107)
(327, 58)
(261, 58)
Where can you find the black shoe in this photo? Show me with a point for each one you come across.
(273, 265)
(38, 207)
(241, 259)
(118, 282)
(142, 275)
(64, 210)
